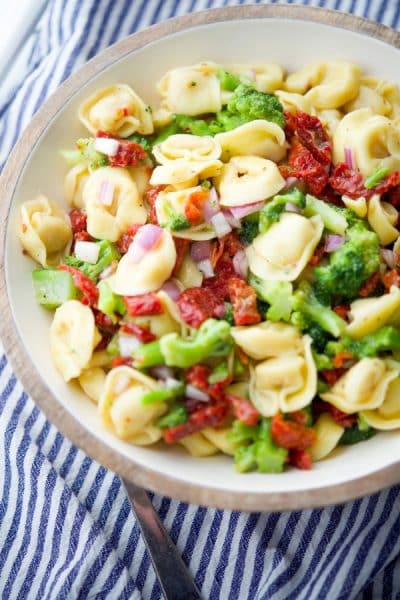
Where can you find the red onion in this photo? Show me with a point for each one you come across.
(172, 383)
(162, 372)
(220, 311)
(171, 289)
(206, 268)
(240, 263)
(146, 237)
(291, 182)
(389, 257)
(233, 221)
(106, 195)
(127, 344)
(290, 207)
(211, 207)
(195, 394)
(107, 146)
(333, 242)
(246, 209)
(200, 251)
(87, 251)
(349, 157)
(220, 225)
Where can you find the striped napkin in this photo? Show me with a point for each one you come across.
(66, 527)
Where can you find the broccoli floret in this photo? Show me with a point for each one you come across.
(227, 80)
(228, 316)
(305, 303)
(142, 141)
(334, 218)
(256, 450)
(385, 339)
(107, 254)
(175, 416)
(272, 210)
(322, 362)
(355, 434)
(252, 104)
(225, 121)
(85, 153)
(278, 295)
(176, 222)
(249, 228)
(349, 266)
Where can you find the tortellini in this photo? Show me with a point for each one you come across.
(74, 183)
(287, 382)
(118, 110)
(92, 382)
(186, 146)
(248, 179)
(191, 90)
(387, 415)
(257, 138)
(173, 202)
(156, 266)
(266, 340)
(373, 139)
(121, 407)
(331, 84)
(364, 386)
(44, 230)
(189, 274)
(266, 77)
(369, 97)
(109, 221)
(328, 436)
(382, 217)
(198, 445)
(185, 173)
(294, 102)
(285, 249)
(220, 438)
(357, 205)
(73, 337)
(369, 314)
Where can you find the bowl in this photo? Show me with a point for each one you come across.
(281, 34)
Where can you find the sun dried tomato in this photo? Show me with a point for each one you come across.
(340, 358)
(119, 361)
(244, 302)
(232, 244)
(370, 285)
(340, 417)
(243, 410)
(181, 247)
(291, 435)
(219, 285)
(313, 136)
(129, 154)
(196, 305)
(141, 333)
(391, 278)
(300, 459)
(299, 416)
(290, 124)
(317, 256)
(332, 375)
(83, 236)
(126, 238)
(145, 304)
(307, 167)
(346, 181)
(194, 206)
(342, 310)
(198, 376)
(104, 322)
(393, 196)
(86, 286)
(151, 197)
(210, 416)
(78, 220)
(391, 181)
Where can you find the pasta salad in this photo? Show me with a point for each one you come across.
(227, 277)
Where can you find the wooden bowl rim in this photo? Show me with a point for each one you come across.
(13, 344)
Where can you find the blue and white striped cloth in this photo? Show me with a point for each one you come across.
(66, 527)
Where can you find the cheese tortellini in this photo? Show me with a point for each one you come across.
(44, 230)
(109, 221)
(118, 110)
(369, 314)
(257, 138)
(328, 436)
(266, 77)
(74, 183)
(73, 337)
(248, 179)
(121, 408)
(181, 174)
(267, 339)
(383, 217)
(186, 146)
(387, 415)
(285, 249)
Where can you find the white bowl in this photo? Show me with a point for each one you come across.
(291, 36)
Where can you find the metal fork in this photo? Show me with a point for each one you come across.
(174, 577)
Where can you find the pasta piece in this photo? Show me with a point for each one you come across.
(271, 256)
(108, 222)
(191, 90)
(101, 358)
(198, 445)
(73, 336)
(198, 233)
(369, 314)
(364, 386)
(239, 388)
(368, 97)
(220, 439)
(132, 278)
(170, 201)
(328, 436)
(118, 110)
(74, 183)
(257, 138)
(92, 382)
(357, 205)
(189, 147)
(266, 77)
(287, 382)
(248, 179)
(161, 117)
(331, 84)
(294, 102)
(184, 173)
(121, 409)
(266, 340)
(169, 321)
(330, 119)
(141, 176)
(189, 274)
(382, 217)
(387, 415)
(373, 139)
(44, 230)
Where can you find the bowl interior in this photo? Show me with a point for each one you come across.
(250, 40)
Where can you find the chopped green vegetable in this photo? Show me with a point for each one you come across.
(86, 153)
(107, 254)
(148, 355)
(206, 184)
(113, 347)
(53, 287)
(249, 228)
(353, 435)
(251, 104)
(142, 141)
(163, 393)
(333, 217)
(322, 361)
(175, 416)
(228, 316)
(256, 450)
(376, 177)
(272, 210)
(305, 303)
(278, 294)
(228, 81)
(322, 386)
(108, 302)
(383, 340)
(219, 373)
(176, 222)
(362, 423)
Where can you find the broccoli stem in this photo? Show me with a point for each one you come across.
(53, 287)
(148, 355)
(331, 217)
(306, 303)
(377, 176)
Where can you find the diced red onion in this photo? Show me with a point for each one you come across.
(240, 263)
(162, 372)
(127, 344)
(87, 251)
(211, 207)
(333, 242)
(290, 207)
(220, 225)
(246, 209)
(220, 311)
(206, 268)
(171, 289)
(349, 157)
(110, 270)
(200, 251)
(195, 394)
(107, 146)
(233, 221)
(389, 257)
(107, 189)
(291, 182)
(145, 239)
